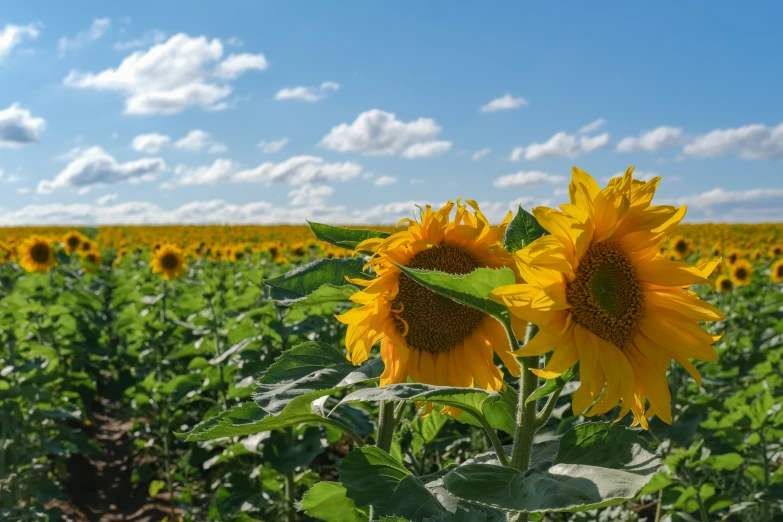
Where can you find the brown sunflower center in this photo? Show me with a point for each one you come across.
(40, 252)
(169, 262)
(733, 258)
(606, 296)
(428, 321)
(725, 285)
(741, 273)
(73, 242)
(681, 246)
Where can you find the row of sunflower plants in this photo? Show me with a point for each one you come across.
(487, 325)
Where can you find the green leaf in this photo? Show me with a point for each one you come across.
(344, 237)
(501, 414)
(523, 230)
(302, 281)
(727, 461)
(372, 476)
(307, 372)
(327, 501)
(552, 385)
(597, 465)
(465, 515)
(155, 487)
(328, 294)
(286, 457)
(470, 289)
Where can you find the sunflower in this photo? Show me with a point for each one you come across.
(716, 251)
(724, 284)
(238, 253)
(36, 254)
(776, 251)
(423, 336)
(602, 295)
(756, 254)
(741, 272)
(72, 241)
(733, 256)
(777, 272)
(91, 260)
(169, 261)
(681, 247)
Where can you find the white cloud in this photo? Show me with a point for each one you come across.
(480, 154)
(658, 138)
(198, 140)
(149, 38)
(719, 197)
(23, 190)
(97, 29)
(106, 199)
(504, 103)
(756, 141)
(270, 147)
(235, 42)
(171, 76)
(299, 170)
(310, 195)
(18, 127)
(592, 126)
(95, 166)
(561, 145)
(308, 94)
(379, 133)
(427, 149)
(219, 170)
(149, 143)
(382, 181)
(13, 35)
(529, 178)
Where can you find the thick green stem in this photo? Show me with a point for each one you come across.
(526, 413)
(386, 424)
(493, 437)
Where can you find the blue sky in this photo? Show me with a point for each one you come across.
(156, 112)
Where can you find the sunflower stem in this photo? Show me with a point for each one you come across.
(544, 414)
(386, 424)
(493, 437)
(526, 413)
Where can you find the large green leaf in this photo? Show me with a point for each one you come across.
(372, 476)
(597, 465)
(523, 230)
(344, 237)
(470, 289)
(500, 414)
(327, 294)
(306, 279)
(286, 457)
(307, 372)
(248, 419)
(327, 501)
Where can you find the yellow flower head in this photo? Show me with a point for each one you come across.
(72, 241)
(681, 247)
(423, 336)
(733, 256)
(91, 260)
(169, 261)
(602, 295)
(741, 272)
(36, 254)
(777, 272)
(724, 284)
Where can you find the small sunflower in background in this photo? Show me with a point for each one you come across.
(776, 251)
(602, 295)
(36, 254)
(733, 255)
(169, 261)
(425, 337)
(72, 241)
(724, 284)
(756, 254)
(777, 272)
(716, 251)
(681, 247)
(87, 246)
(91, 260)
(121, 253)
(238, 254)
(741, 272)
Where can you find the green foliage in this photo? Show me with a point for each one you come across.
(523, 230)
(344, 237)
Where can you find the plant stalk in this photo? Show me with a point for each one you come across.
(526, 413)
(386, 424)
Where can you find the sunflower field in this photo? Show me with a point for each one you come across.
(596, 361)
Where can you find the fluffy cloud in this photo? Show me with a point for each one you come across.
(13, 35)
(561, 145)
(756, 141)
(504, 103)
(18, 127)
(299, 170)
(308, 94)
(198, 140)
(84, 38)
(382, 181)
(522, 178)
(742, 206)
(219, 170)
(480, 154)
(169, 77)
(149, 143)
(106, 199)
(149, 38)
(309, 195)
(427, 149)
(592, 126)
(379, 133)
(270, 147)
(95, 166)
(658, 138)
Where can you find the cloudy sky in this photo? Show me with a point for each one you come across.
(353, 112)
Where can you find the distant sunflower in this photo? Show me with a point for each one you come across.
(91, 260)
(716, 251)
(423, 336)
(602, 295)
(741, 272)
(36, 254)
(777, 272)
(776, 251)
(733, 256)
(681, 247)
(724, 284)
(72, 241)
(169, 261)
(756, 254)
(238, 254)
